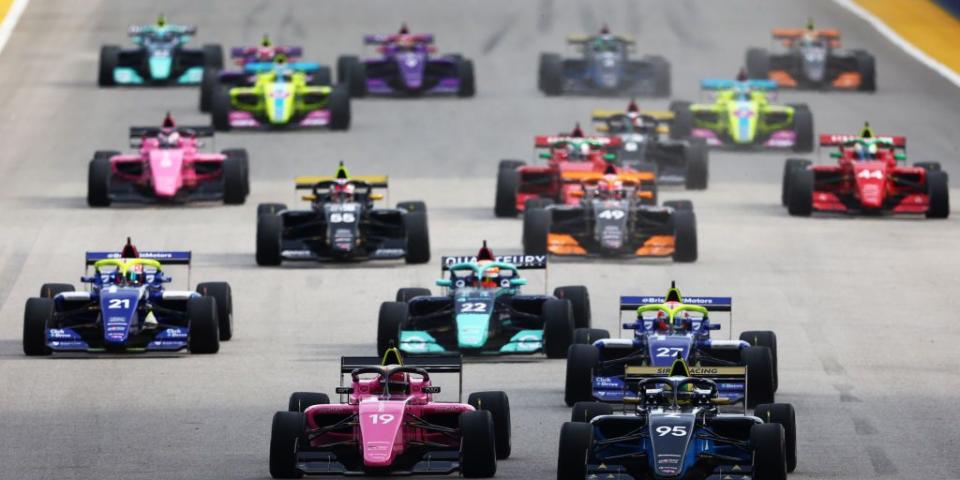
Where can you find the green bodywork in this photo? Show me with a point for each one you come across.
(743, 115)
(279, 96)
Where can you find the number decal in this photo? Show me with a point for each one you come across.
(473, 307)
(611, 214)
(381, 418)
(119, 303)
(871, 174)
(342, 218)
(669, 351)
(676, 431)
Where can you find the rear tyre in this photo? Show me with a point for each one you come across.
(661, 76)
(269, 239)
(759, 363)
(50, 290)
(583, 412)
(323, 77)
(539, 202)
(406, 294)
(213, 56)
(413, 206)
(109, 61)
(685, 248)
(685, 205)
(99, 176)
(758, 63)
(478, 456)
(557, 327)
(498, 405)
(867, 68)
(208, 85)
(508, 184)
(550, 77)
(575, 442)
(353, 73)
(800, 193)
(220, 109)
(682, 125)
(223, 295)
(793, 164)
(285, 435)
(579, 297)
(36, 314)
(938, 195)
(468, 87)
(240, 154)
(698, 169)
(928, 166)
(418, 237)
(339, 105)
(579, 378)
(783, 414)
(769, 451)
(586, 336)
(803, 128)
(235, 181)
(204, 328)
(536, 227)
(765, 338)
(300, 401)
(392, 317)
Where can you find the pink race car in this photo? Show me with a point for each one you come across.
(168, 167)
(391, 424)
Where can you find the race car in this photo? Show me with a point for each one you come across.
(569, 156)
(812, 59)
(665, 328)
(278, 94)
(645, 146)
(127, 309)
(605, 68)
(342, 224)
(611, 221)
(678, 430)
(868, 178)
(482, 311)
(742, 116)
(389, 421)
(266, 52)
(159, 58)
(168, 166)
(406, 67)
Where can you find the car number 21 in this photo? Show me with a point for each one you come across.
(119, 303)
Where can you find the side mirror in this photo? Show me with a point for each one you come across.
(631, 400)
(344, 390)
(376, 196)
(609, 156)
(836, 155)
(443, 282)
(720, 401)
(631, 326)
(713, 326)
(308, 198)
(431, 389)
(517, 282)
(899, 156)
(544, 155)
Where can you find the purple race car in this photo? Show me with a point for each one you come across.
(406, 68)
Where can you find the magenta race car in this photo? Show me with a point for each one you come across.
(168, 166)
(389, 422)
(405, 68)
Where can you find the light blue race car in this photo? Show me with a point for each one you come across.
(159, 58)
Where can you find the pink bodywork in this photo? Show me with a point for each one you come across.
(167, 170)
(385, 424)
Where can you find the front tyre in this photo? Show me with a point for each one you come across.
(575, 441)
(285, 435)
(478, 456)
(579, 379)
(269, 239)
(418, 237)
(498, 405)
(391, 318)
(223, 295)
(204, 326)
(37, 314)
(558, 327)
(339, 104)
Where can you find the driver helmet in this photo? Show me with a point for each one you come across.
(134, 276)
(742, 75)
(161, 20)
(342, 190)
(661, 323)
(610, 187)
(865, 151)
(578, 150)
(168, 138)
(490, 277)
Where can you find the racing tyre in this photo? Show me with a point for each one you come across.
(220, 109)
(557, 327)
(244, 158)
(586, 336)
(939, 195)
(392, 317)
(684, 236)
(37, 313)
(109, 60)
(759, 363)
(300, 401)
(758, 63)
(579, 381)
(269, 239)
(339, 104)
(498, 405)
(661, 75)
(413, 206)
(579, 296)
(510, 164)
(508, 184)
(800, 193)
(236, 182)
(50, 290)
(783, 414)
(867, 68)
(583, 412)
(353, 73)
(802, 128)
(928, 166)
(764, 338)
(418, 237)
(213, 56)
(686, 205)
(223, 295)
(99, 175)
(478, 456)
(536, 227)
(550, 77)
(270, 208)
(406, 294)
(698, 168)
(575, 441)
(792, 165)
(204, 326)
(208, 84)
(769, 452)
(468, 86)
(682, 125)
(322, 77)
(285, 435)
(539, 202)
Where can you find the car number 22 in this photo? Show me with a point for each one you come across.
(473, 307)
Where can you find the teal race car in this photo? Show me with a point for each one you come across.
(742, 115)
(481, 311)
(159, 57)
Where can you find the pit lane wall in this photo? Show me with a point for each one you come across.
(931, 26)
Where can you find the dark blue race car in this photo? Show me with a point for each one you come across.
(127, 309)
(666, 327)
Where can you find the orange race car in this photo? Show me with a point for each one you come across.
(812, 59)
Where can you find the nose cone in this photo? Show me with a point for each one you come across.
(871, 183)
(165, 172)
(411, 68)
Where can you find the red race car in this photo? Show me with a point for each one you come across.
(390, 423)
(869, 177)
(569, 157)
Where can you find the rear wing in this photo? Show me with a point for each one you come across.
(308, 182)
(793, 33)
(582, 39)
(592, 177)
(242, 52)
(432, 363)
(724, 84)
(165, 258)
(659, 115)
(712, 304)
(546, 141)
(522, 262)
(726, 376)
(833, 140)
(378, 39)
(190, 131)
(263, 67)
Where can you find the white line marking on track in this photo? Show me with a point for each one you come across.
(10, 21)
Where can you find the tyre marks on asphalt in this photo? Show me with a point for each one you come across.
(10, 272)
(545, 16)
(494, 39)
(882, 465)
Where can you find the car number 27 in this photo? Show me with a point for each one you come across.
(669, 351)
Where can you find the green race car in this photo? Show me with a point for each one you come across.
(742, 115)
(278, 95)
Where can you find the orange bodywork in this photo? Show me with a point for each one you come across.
(847, 80)
(563, 244)
(782, 78)
(790, 35)
(657, 246)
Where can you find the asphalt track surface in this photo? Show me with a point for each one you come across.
(865, 308)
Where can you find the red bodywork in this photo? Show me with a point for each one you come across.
(875, 184)
(166, 171)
